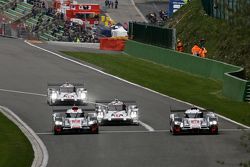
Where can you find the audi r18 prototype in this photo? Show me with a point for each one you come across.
(66, 94)
(74, 120)
(117, 112)
(193, 120)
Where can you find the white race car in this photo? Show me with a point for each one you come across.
(193, 120)
(117, 112)
(66, 94)
(74, 120)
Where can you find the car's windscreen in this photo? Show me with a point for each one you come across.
(194, 115)
(74, 115)
(115, 107)
(67, 90)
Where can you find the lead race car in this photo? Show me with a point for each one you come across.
(74, 120)
(117, 112)
(193, 120)
(66, 94)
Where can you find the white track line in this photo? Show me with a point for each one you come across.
(21, 92)
(84, 65)
(40, 151)
(149, 128)
(138, 11)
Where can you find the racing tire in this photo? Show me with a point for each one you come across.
(213, 130)
(57, 132)
(175, 132)
(95, 129)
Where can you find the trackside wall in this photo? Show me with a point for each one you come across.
(233, 87)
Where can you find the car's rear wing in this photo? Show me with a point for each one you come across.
(58, 109)
(183, 110)
(109, 101)
(60, 84)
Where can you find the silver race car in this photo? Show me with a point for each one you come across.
(74, 120)
(66, 94)
(193, 120)
(117, 112)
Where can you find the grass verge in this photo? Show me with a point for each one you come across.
(226, 41)
(15, 149)
(193, 89)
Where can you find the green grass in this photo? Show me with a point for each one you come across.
(227, 42)
(193, 89)
(15, 149)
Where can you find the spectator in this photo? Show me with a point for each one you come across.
(112, 4)
(33, 12)
(109, 4)
(106, 3)
(203, 53)
(14, 6)
(196, 50)
(116, 4)
(179, 46)
(203, 49)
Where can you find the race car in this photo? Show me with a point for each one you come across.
(117, 112)
(74, 120)
(66, 94)
(193, 120)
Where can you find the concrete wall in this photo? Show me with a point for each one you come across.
(233, 87)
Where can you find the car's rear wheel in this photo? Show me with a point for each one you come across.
(176, 130)
(57, 130)
(95, 129)
(214, 130)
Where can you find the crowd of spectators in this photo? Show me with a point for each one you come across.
(54, 23)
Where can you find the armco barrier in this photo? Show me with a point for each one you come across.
(233, 87)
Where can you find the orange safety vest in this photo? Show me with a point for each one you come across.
(196, 50)
(203, 52)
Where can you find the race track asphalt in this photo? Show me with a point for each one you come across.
(25, 68)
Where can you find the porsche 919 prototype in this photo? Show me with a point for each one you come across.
(117, 112)
(193, 120)
(66, 94)
(74, 120)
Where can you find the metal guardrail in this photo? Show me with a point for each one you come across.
(247, 92)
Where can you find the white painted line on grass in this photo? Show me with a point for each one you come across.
(21, 92)
(84, 65)
(40, 151)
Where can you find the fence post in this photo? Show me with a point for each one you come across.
(173, 38)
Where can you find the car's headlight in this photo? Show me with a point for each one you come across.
(213, 123)
(83, 95)
(181, 125)
(58, 123)
(53, 95)
(133, 114)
